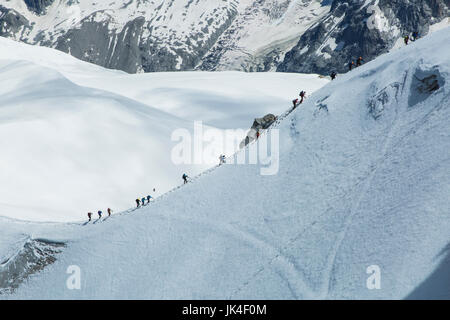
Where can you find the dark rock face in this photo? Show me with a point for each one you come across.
(11, 23)
(354, 28)
(38, 6)
(32, 258)
(93, 42)
(264, 122)
(129, 50)
(258, 125)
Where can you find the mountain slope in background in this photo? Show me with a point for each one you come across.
(310, 36)
(139, 35)
(365, 29)
(362, 183)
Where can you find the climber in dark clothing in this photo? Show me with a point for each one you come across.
(302, 96)
(359, 61)
(333, 75)
(138, 202)
(185, 177)
(415, 36)
(350, 65)
(406, 39)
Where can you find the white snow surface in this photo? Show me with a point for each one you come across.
(352, 191)
(82, 138)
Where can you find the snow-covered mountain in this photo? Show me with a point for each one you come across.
(362, 185)
(245, 35)
(362, 28)
(162, 35)
(81, 136)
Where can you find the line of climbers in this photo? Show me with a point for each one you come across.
(186, 177)
(413, 37)
(359, 61)
(140, 202)
(99, 212)
(351, 64)
(295, 102)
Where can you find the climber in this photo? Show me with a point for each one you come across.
(295, 103)
(185, 177)
(143, 201)
(350, 65)
(109, 212)
(333, 75)
(89, 215)
(257, 134)
(149, 197)
(415, 35)
(359, 61)
(302, 96)
(406, 39)
(221, 159)
(138, 202)
(99, 214)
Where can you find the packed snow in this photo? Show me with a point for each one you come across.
(362, 185)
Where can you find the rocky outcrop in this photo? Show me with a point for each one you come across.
(38, 6)
(259, 124)
(12, 24)
(138, 45)
(31, 258)
(94, 42)
(354, 28)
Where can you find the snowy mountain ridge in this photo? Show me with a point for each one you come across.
(307, 36)
(363, 184)
(158, 35)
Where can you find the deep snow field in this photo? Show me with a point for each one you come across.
(83, 138)
(363, 183)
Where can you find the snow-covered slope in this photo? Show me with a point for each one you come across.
(363, 181)
(78, 137)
